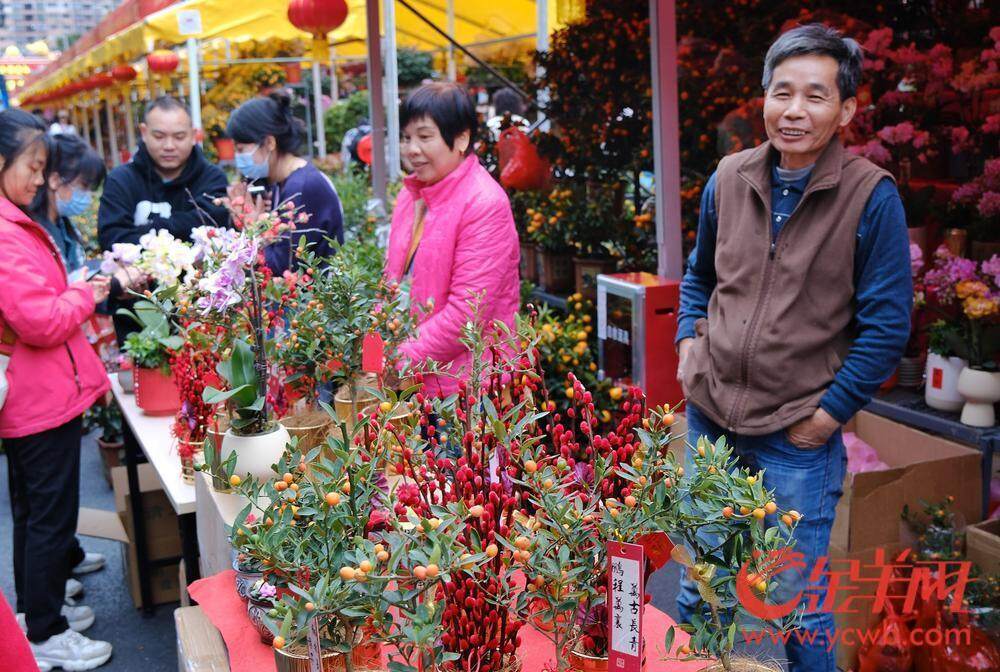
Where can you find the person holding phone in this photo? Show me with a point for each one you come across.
(53, 376)
(268, 137)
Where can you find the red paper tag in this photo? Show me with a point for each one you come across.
(937, 378)
(372, 353)
(657, 547)
(626, 597)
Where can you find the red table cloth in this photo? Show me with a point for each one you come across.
(217, 597)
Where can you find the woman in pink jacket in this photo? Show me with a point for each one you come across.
(453, 235)
(54, 376)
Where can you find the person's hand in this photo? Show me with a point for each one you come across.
(236, 191)
(812, 432)
(683, 350)
(130, 278)
(100, 285)
(242, 201)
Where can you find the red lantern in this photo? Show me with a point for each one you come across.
(103, 80)
(123, 73)
(317, 17)
(163, 61)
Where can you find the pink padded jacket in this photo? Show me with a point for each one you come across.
(469, 245)
(54, 373)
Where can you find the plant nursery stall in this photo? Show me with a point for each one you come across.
(326, 511)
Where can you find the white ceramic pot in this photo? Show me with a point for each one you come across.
(126, 380)
(981, 390)
(941, 390)
(255, 453)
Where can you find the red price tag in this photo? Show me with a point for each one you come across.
(372, 353)
(657, 547)
(626, 597)
(937, 378)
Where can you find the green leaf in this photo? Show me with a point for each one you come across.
(668, 639)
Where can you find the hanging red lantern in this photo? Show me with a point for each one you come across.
(163, 61)
(103, 80)
(317, 17)
(123, 73)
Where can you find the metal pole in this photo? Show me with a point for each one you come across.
(85, 127)
(376, 103)
(194, 70)
(666, 139)
(112, 132)
(334, 82)
(542, 45)
(318, 103)
(392, 90)
(129, 123)
(451, 34)
(98, 135)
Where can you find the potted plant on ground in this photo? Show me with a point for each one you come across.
(106, 417)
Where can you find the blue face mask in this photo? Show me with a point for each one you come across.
(249, 167)
(78, 204)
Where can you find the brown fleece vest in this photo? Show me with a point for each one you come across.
(780, 319)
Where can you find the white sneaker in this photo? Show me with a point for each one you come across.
(73, 588)
(91, 563)
(79, 618)
(71, 651)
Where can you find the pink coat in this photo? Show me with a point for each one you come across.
(469, 245)
(54, 373)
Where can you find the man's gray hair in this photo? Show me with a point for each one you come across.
(815, 38)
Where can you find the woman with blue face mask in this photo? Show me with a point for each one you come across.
(73, 172)
(267, 136)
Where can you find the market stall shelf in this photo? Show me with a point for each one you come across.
(909, 408)
(226, 612)
(151, 437)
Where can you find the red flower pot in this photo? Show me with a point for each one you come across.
(156, 393)
(293, 72)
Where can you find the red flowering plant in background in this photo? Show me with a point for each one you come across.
(193, 367)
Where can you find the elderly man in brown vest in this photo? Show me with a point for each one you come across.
(796, 302)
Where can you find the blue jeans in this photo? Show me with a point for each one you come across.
(811, 482)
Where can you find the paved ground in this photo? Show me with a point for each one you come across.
(141, 644)
(147, 644)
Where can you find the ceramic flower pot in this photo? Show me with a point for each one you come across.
(245, 580)
(225, 148)
(980, 389)
(743, 665)
(910, 372)
(256, 610)
(156, 392)
(941, 391)
(255, 453)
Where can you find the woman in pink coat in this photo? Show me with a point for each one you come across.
(54, 376)
(453, 234)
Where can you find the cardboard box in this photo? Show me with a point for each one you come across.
(861, 617)
(923, 467)
(162, 536)
(200, 647)
(982, 545)
(163, 539)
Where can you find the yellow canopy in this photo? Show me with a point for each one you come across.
(476, 21)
